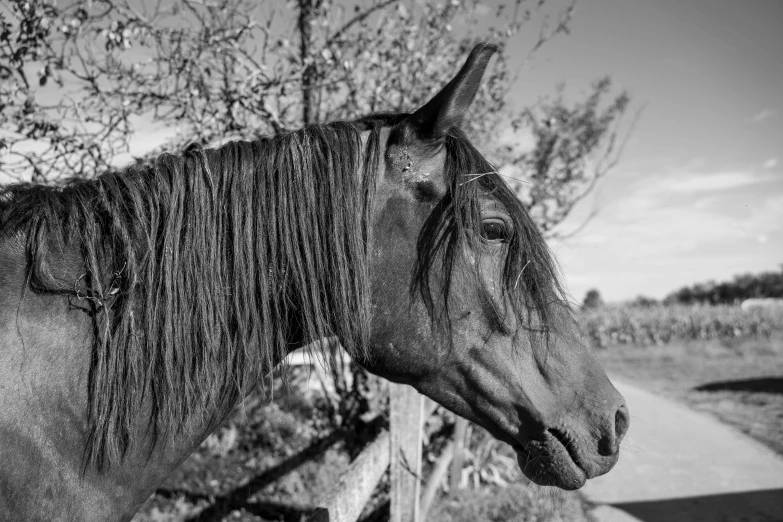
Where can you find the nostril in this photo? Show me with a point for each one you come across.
(607, 446)
(610, 444)
(622, 421)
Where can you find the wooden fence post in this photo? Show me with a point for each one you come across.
(460, 428)
(406, 422)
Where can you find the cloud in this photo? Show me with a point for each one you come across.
(771, 163)
(644, 230)
(714, 181)
(767, 215)
(763, 115)
(655, 192)
(665, 225)
(654, 250)
(590, 240)
(666, 229)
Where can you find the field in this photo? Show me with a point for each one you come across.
(738, 381)
(271, 460)
(720, 360)
(659, 325)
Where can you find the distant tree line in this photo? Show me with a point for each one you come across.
(745, 286)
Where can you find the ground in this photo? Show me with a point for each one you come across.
(740, 382)
(692, 460)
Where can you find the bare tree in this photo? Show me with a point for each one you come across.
(77, 79)
(575, 146)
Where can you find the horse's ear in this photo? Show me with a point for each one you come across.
(448, 107)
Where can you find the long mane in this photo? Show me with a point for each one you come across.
(200, 269)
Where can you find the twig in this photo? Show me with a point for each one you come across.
(356, 19)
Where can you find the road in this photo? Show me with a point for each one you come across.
(679, 465)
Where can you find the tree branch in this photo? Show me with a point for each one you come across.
(357, 19)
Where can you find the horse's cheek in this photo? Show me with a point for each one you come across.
(402, 340)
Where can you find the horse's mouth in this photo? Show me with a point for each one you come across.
(552, 461)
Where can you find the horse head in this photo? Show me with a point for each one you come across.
(466, 303)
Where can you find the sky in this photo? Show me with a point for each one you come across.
(698, 194)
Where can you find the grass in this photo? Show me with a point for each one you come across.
(515, 503)
(738, 380)
(503, 493)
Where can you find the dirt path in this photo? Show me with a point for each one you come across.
(679, 465)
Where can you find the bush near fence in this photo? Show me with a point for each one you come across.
(658, 325)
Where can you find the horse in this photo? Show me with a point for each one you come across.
(139, 307)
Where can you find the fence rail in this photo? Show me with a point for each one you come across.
(344, 503)
(398, 450)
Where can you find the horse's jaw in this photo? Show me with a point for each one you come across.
(562, 416)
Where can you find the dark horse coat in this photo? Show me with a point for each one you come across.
(137, 308)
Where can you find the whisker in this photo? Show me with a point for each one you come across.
(477, 176)
(520, 274)
(480, 174)
(515, 179)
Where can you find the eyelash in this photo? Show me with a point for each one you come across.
(494, 230)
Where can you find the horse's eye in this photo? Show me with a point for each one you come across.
(494, 230)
